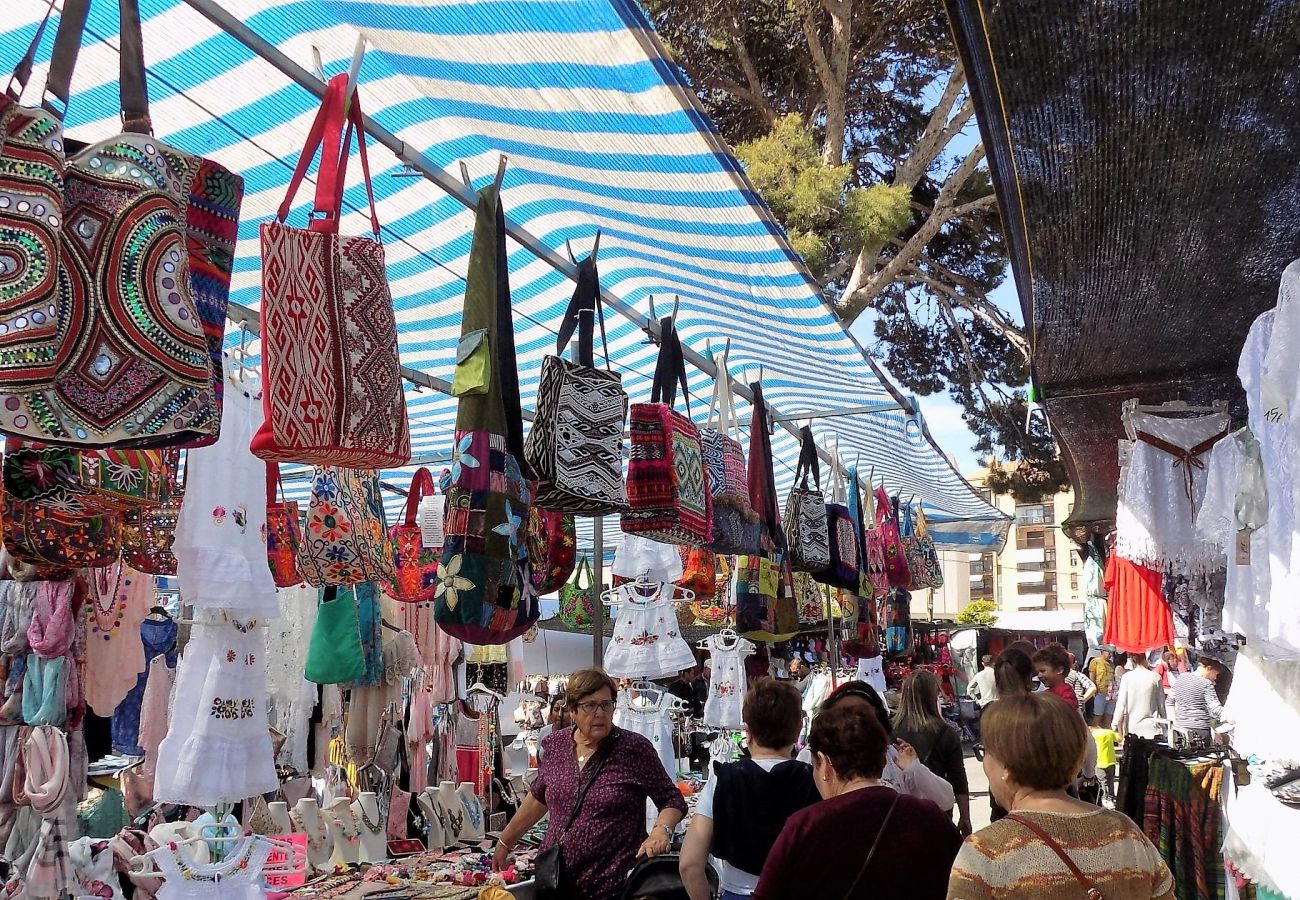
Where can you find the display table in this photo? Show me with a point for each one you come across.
(1261, 840)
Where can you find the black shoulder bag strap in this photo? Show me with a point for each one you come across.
(874, 844)
(584, 306)
(808, 461)
(590, 776)
(671, 369)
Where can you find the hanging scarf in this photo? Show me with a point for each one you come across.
(46, 752)
(50, 631)
(18, 616)
(44, 691)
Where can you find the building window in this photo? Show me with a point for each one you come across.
(1074, 582)
(1035, 514)
(1030, 538)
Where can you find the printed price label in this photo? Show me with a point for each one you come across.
(431, 528)
(278, 858)
(1243, 547)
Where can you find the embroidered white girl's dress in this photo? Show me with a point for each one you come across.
(220, 545)
(727, 684)
(648, 719)
(218, 748)
(238, 877)
(647, 639)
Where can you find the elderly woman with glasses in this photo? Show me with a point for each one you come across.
(623, 770)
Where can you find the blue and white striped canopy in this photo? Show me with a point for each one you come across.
(600, 134)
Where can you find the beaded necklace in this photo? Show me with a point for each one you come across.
(315, 842)
(371, 826)
(237, 864)
(107, 620)
(349, 836)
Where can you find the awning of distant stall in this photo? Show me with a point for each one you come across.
(600, 134)
(1146, 157)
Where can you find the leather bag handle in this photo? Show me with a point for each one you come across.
(421, 487)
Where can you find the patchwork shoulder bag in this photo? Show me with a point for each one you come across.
(44, 537)
(575, 446)
(891, 542)
(576, 600)
(345, 541)
(669, 498)
(135, 367)
(807, 531)
(148, 534)
(552, 549)
(332, 385)
(415, 566)
(735, 524)
(485, 593)
(922, 558)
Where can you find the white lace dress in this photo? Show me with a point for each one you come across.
(238, 877)
(727, 682)
(218, 748)
(647, 640)
(640, 557)
(1160, 494)
(1246, 590)
(220, 543)
(291, 697)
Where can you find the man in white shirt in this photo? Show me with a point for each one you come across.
(1140, 700)
(983, 688)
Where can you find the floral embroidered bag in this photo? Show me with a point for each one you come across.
(846, 554)
(44, 537)
(576, 600)
(415, 566)
(891, 543)
(552, 549)
(345, 541)
(283, 531)
(922, 558)
(485, 593)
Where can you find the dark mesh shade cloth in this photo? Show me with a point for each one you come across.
(1146, 156)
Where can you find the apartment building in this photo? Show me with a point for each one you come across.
(1038, 568)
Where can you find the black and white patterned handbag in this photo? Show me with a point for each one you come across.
(736, 528)
(807, 529)
(576, 442)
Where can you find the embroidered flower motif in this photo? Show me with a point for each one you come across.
(510, 528)
(219, 515)
(327, 486)
(231, 656)
(329, 524)
(644, 639)
(451, 584)
(127, 478)
(336, 554)
(241, 518)
(462, 457)
(38, 472)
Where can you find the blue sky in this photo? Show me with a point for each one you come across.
(942, 415)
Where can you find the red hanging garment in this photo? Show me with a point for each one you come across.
(1137, 617)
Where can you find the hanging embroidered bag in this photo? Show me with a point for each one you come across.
(577, 602)
(575, 446)
(765, 603)
(922, 558)
(699, 572)
(334, 655)
(552, 549)
(345, 541)
(415, 566)
(134, 368)
(485, 594)
(669, 498)
(846, 556)
(807, 531)
(332, 384)
(891, 544)
(148, 534)
(735, 524)
(810, 599)
(898, 623)
(44, 537)
(283, 531)
(87, 481)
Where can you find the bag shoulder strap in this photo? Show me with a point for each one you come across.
(723, 407)
(23, 71)
(884, 824)
(597, 763)
(331, 108)
(67, 46)
(584, 306)
(671, 368)
(808, 461)
(421, 487)
(333, 178)
(1084, 882)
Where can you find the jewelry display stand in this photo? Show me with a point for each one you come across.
(306, 818)
(435, 832)
(345, 829)
(280, 816)
(472, 807)
(453, 814)
(374, 838)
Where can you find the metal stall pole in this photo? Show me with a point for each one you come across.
(598, 607)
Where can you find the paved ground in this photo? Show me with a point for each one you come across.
(979, 792)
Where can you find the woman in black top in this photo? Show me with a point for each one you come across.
(937, 743)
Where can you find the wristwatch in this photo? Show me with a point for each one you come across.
(668, 830)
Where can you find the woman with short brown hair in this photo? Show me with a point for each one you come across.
(1050, 844)
(864, 839)
(608, 833)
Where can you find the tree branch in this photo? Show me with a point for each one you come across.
(757, 98)
(1014, 335)
(860, 290)
(938, 132)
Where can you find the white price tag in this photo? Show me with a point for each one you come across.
(431, 529)
(1243, 547)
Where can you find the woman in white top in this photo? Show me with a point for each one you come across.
(903, 771)
(1140, 700)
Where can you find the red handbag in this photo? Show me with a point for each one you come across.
(699, 572)
(283, 532)
(415, 566)
(552, 549)
(332, 384)
(891, 543)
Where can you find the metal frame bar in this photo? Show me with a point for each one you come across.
(417, 162)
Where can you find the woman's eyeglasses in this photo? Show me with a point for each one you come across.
(591, 707)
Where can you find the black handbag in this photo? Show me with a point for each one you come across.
(548, 873)
(659, 877)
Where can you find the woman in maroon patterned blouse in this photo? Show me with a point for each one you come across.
(609, 834)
